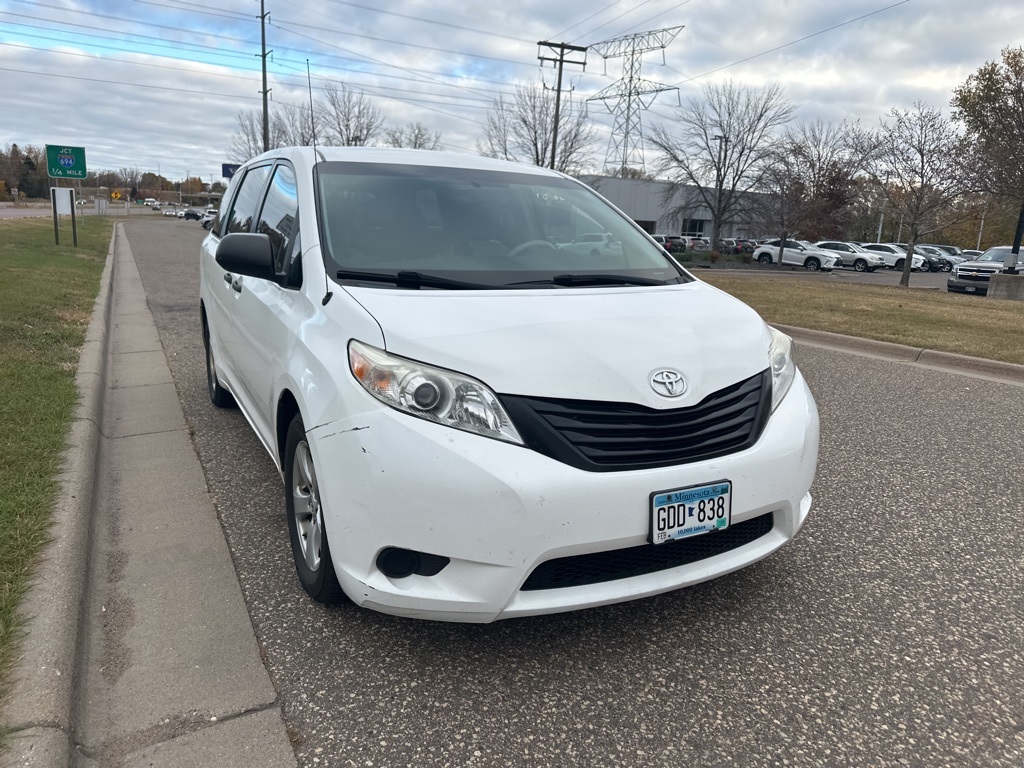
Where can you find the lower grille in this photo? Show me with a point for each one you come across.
(598, 567)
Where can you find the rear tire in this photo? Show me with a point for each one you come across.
(764, 258)
(310, 549)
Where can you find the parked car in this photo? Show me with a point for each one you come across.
(181, 214)
(699, 244)
(796, 253)
(191, 214)
(594, 244)
(169, 212)
(952, 250)
(894, 256)
(746, 245)
(974, 276)
(939, 260)
(970, 253)
(852, 255)
(671, 243)
(207, 220)
(486, 425)
(729, 245)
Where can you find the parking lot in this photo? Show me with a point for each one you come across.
(890, 632)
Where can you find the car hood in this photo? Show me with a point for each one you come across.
(592, 344)
(984, 265)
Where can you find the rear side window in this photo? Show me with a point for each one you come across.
(244, 208)
(278, 219)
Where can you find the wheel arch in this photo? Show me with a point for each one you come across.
(287, 407)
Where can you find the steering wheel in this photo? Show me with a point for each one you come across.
(522, 248)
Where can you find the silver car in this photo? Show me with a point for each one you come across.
(852, 255)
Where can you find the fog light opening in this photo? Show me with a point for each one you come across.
(398, 563)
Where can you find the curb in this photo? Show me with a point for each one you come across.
(44, 677)
(1010, 373)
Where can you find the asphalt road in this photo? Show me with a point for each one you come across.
(889, 633)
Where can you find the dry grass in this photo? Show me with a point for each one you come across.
(918, 317)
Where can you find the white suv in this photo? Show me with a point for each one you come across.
(473, 423)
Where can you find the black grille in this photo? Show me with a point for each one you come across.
(616, 564)
(608, 437)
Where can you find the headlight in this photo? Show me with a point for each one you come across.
(780, 359)
(434, 394)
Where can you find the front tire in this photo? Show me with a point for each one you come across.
(899, 264)
(219, 396)
(860, 265)
(310, 548)
(812, 264)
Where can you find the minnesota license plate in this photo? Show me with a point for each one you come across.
(690, 511)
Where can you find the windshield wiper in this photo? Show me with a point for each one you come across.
(571, 280)
(406, 279)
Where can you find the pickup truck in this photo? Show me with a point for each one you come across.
(973, 276)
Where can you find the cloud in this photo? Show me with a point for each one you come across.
(157, 84)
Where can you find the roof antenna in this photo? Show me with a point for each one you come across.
(312, 114)
(328, 294)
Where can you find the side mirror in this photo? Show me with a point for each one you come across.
(247, 254)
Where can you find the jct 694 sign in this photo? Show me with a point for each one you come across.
(65, 162)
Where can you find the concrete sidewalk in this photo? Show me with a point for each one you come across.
(140, 651)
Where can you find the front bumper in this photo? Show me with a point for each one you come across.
(976, 285)
(498, 511)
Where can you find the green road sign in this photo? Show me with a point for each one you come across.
(65, 162)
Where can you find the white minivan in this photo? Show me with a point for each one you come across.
(475, 422)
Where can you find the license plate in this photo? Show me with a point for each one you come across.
(690, 511)
(971, 289)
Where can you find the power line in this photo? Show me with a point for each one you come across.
(794, 42)
(434, 21)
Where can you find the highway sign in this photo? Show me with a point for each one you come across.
(65, 162)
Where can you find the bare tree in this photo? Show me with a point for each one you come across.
(413, 136)
(809, 179)
(348, 117)
(521, 129)
(293, 126)
(720, 147)
(919, 163)
(129, 178)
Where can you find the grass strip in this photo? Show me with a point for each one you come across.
(918, 317)
(47, 294)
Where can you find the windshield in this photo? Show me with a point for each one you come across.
(998, 253)
(489, 228)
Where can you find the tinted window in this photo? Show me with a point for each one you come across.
(502, 227)
(244, 208)
(279, 217)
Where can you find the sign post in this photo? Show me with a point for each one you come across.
(64, 163)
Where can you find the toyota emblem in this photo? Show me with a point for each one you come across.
(668, 383)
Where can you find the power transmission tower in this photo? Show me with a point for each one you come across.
(625, 148)
(560, 49)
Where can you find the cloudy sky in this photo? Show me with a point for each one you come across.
(157, 84)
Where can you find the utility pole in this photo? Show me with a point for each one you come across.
(263, 55)
(560, 49)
